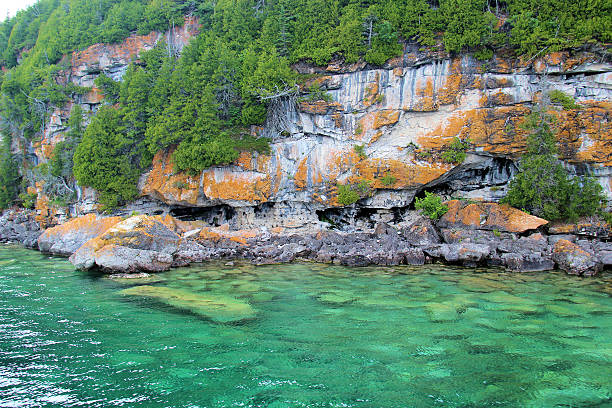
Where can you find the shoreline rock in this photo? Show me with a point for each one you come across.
(153, 244)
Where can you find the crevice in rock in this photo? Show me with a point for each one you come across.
(216, 215)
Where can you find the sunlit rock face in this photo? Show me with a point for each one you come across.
(404, 117)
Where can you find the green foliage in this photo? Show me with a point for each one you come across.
(62, 160)
(9, 174)
(456, 151)
(349, 194)
(360, 150)
(28, 200)
(388, 180)
(431, 205)
(109, 88)
(247, 142)
(316, 93)
(105, 159)
(346, 194)
(560, 97)
(181, 185)
(543, 186)
(238, 70)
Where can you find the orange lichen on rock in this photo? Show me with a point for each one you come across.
(406, 175)
(450, 91)
(385, 117)
(495, 130)
(426, 101)
(491, 216)
(585, 227)
(178, 226)
(319, 107)
(95, 96)
(127, 49)
(224, 184)
(216, 234)
(89, 226)
(301, 174)
(497, 99)
(165, 183)
(244, 160)
(372, 92)
(592, 132)
(341, 161)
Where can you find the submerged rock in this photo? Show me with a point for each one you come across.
(222, 309)
(140, 243)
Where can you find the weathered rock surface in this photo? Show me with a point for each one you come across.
(155, 243)
(575, 260)
(19, 226)
(140, 243)
(488, 216)
(65, 239)
(405, 115)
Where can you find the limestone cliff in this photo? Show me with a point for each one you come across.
(387, 128)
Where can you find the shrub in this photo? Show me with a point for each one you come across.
(359, 149)
(388, 180)
(28, 199)
(456, 151)
(431, 205)
(560, 97)
(346, 195)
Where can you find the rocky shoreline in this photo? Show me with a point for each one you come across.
(470, 234)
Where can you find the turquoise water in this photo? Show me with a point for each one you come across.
(301, 335)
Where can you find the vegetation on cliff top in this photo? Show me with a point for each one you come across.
(237, 69)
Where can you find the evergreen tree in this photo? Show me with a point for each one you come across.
(543, 186)
(9, 173)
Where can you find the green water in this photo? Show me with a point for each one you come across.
(301, 335)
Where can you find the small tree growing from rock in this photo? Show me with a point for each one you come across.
(543, 186)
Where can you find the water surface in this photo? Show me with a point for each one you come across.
(301, 335)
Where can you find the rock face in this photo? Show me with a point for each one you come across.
(405, 116)
(401, 118)
(66, 238)
(140, 243)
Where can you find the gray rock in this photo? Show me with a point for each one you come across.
(527, 262)
(123, 259)
(575, 260)
(421, 233)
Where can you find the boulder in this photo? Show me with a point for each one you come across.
(19, 226)
(488, 216)
(421, 233)
(140, 243)
(464, 252)
(531, 262)
(66, 238)
(575, 260)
